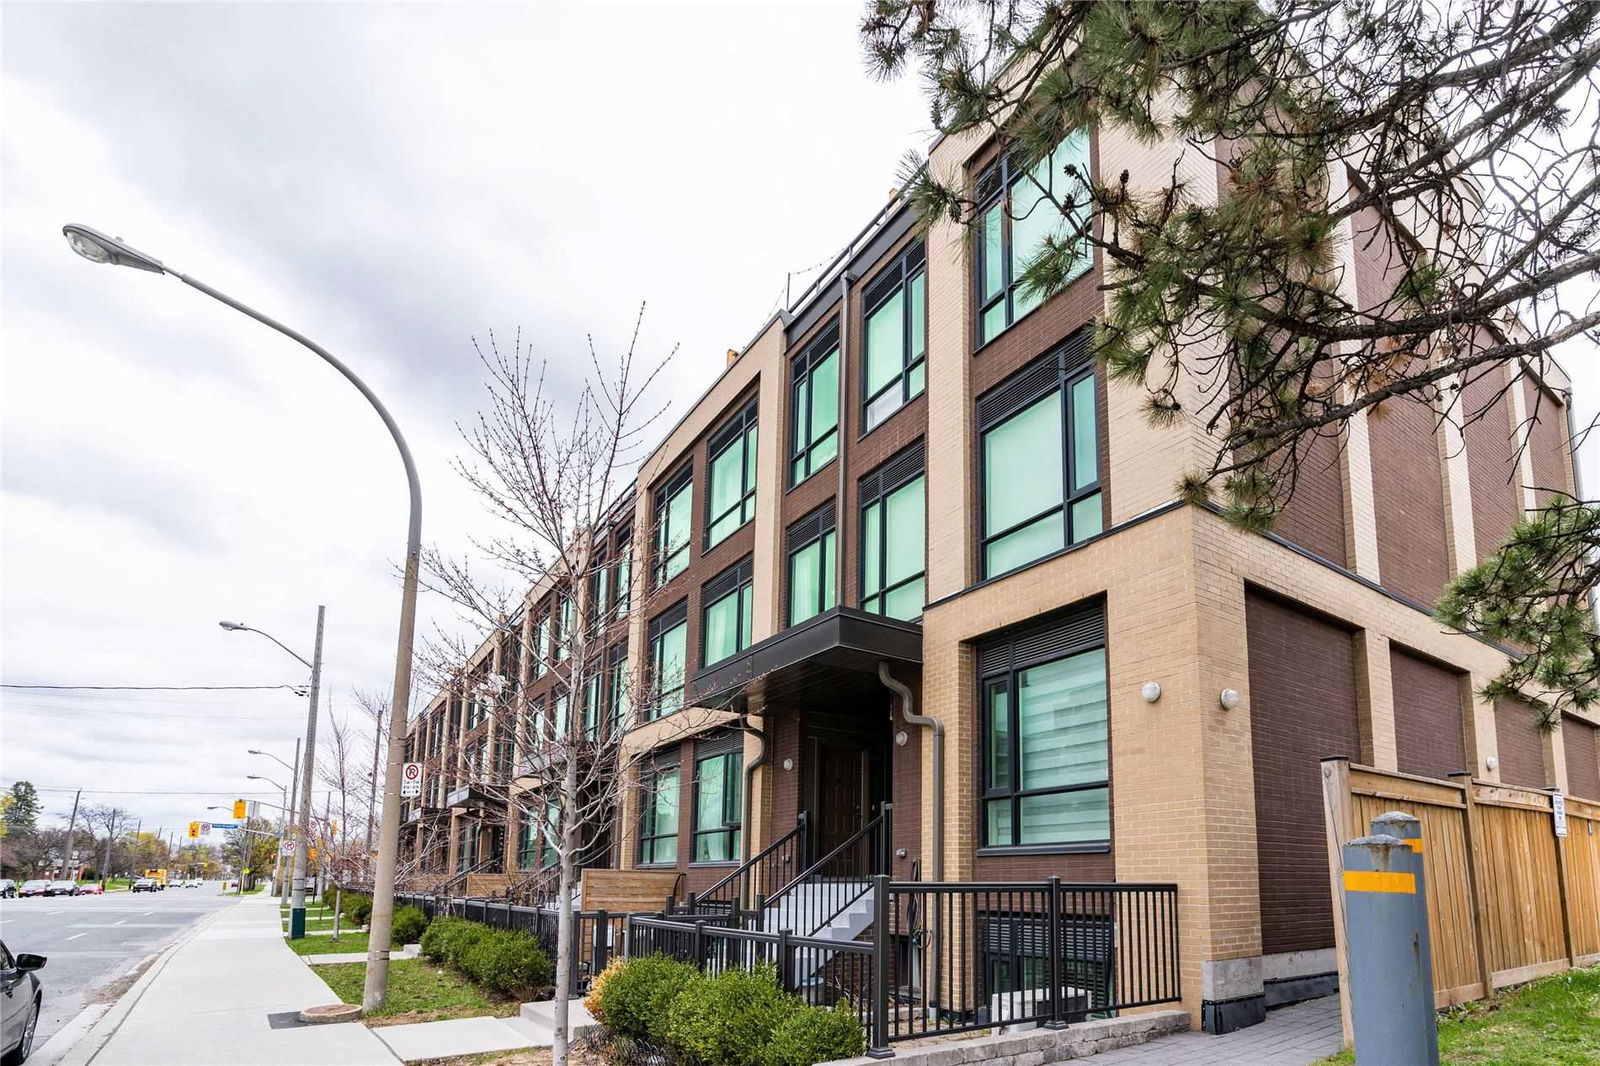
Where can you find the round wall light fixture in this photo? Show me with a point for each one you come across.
(901, 737)
(1230, 699)
(1150, 691)
(788, 764)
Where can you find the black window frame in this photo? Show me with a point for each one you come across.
(736, 580)
(616, 687)
(801, 366)
(648, 791)
(1074, 631)
(729, 745)
(622, 573)
(801, 534)
(994, 186)
(909, 265)
(731, 434)
(873, 490)
(681, 481)
(1057, 371)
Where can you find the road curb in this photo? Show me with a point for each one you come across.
(84, 1050)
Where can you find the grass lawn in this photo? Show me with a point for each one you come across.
(355, 940)
(1554, 1021)
(419, 991)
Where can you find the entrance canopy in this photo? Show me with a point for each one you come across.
(829, 659)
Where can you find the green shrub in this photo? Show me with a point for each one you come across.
(408, 925)
(635, 998)
(359, 911)
(439, 942)
(728, 1019)
(815, 1034)
(510, 964)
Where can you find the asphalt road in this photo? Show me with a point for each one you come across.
(91, 941)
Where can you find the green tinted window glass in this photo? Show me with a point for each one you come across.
(668, 670)
(1066, 817)
(722, 630)
(994, 252)
(1031, 542)
(1061, 722)
(872, 549)
(1086, 518)
(999, 737)
(919, 318)
(1085, 434)
(886, 343)
(1022, 465)
(659, 831)
(824, 404)
(805, 580)
(905, 531)
(717, 809)
(905, 602)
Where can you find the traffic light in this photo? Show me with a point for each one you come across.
(238, 810)
(194, 830)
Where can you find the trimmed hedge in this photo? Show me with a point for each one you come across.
(511, 964)
(727, 1020)
(736, 1018)
(356, 906)
(812, 1035)
(408, 925)
(634, 999)
(447, 938)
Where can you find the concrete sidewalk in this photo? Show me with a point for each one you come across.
(209, 999)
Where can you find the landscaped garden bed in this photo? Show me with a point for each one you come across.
(419, 991)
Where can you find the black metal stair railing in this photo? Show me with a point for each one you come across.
(808, 902)
(763, 872)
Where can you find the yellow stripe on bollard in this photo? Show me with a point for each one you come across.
(1380, 881)
(1416, 844)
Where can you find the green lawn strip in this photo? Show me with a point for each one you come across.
(326, 945)
(419, 991)
(1554, 1021)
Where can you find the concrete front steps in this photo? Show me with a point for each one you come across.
(533, 1027)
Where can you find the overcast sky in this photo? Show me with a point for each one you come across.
(391, 180)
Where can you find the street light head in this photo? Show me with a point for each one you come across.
(232, 627)
(99, 248)
(254, 777)
(253, 751)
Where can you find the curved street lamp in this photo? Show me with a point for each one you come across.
(99, 248)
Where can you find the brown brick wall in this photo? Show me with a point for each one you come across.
(1315, 516)
(1520, 745)
(1582, 743)
(1547, 442)
(1491, 461)
(1303, 707)
(1408, 495)
(1429, 716)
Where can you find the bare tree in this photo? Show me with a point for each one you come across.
(554, 466)
(112, 820)
(375, 709)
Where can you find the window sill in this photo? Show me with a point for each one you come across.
(724, 863)
(1093, 848)
(656, 866)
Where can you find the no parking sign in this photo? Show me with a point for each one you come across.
(410, 780)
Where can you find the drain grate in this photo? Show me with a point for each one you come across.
(285, 1019)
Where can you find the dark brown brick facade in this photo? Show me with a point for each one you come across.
(1408, 497)
(1582, 743)
(1302, 707)
(1314, 517)
(1491, 461)
(1430, 716)
(1520, 744)
(1547, 439)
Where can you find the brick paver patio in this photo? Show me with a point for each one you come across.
(1291, 1036)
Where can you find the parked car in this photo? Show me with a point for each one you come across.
(8, 888)
(34, 888)
(20, 999)
(144, 884)
(93, 888)
(62, 888)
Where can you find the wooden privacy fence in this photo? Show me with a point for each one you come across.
(1508, 900)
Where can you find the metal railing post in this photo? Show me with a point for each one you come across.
(805, 839)
(1053, 938)
(602, 943)
(886, 811)
(697, 945)
(761, 912)
(878, 1034)
(785, 961)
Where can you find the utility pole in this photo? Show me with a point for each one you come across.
(72, 824)
(297, 899)
(288, 819)
(372, 791)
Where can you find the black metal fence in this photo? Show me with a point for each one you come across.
(949, 957)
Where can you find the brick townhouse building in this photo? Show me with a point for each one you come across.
(911, 546)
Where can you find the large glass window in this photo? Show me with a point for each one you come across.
(674, 511)
(658, 822)
(1017, 218)
(595, 610)
(814, 407)
(1040, 459)
(813, 584)
(668, 632)
(622, 575)
(731, 493)
(717, 786)
(591, 702)
(725, 622)
(536, 848)
(1046, 754)
(895, 338)
(618, 701)
(893, 547)
(541, 644)
(563, 632)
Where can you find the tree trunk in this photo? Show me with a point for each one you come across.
(565, 941)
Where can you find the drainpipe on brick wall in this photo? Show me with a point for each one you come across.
(907, 702)
(749, 780)
(845, 279)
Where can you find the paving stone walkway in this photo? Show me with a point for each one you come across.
(1291, 1036)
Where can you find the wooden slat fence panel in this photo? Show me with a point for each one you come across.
(1508, 900)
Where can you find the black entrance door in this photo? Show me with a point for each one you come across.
(841, 791)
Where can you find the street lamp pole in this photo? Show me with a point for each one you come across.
(99, 248)
(287, 812)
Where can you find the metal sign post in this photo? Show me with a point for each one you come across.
(1391, 971)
